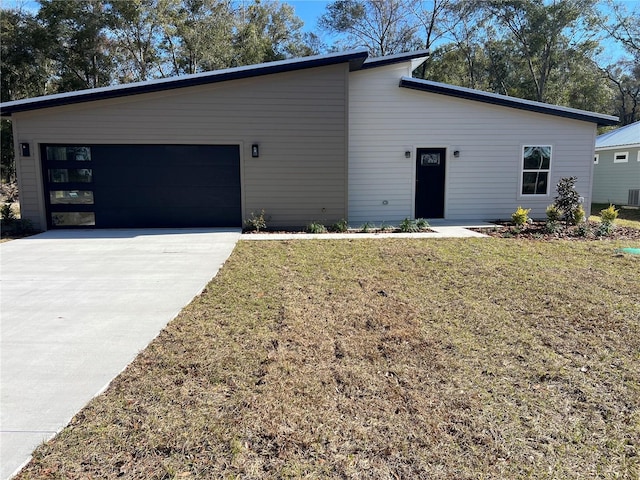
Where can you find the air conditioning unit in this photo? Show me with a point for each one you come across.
(634, 197)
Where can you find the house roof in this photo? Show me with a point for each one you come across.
(628, 136)
(355, 58)
(397, 58)
(506, 101)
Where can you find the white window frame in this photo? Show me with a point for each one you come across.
(621, 160)
(596, 159)
(541, 170)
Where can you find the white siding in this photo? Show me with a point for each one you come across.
(484, 182)
(612, 181)
(298, 119)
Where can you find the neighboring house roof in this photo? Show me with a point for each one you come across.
(355, 58)
(506, 101)
(628, 136)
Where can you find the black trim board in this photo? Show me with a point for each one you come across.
(355, 59)
(505, 101)
(391, 59)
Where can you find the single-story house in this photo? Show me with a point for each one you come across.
(616, 169)
(321, 138)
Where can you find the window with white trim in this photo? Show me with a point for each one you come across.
(621, 157)
(596, 159)
(536, 166)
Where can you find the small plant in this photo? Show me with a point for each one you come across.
(568, 199)
(408, 226)
(366, 227)
(383, 227)
(520, 216)
(422, 224)
(609, 214)
(584, 230)
(316, 227)
(578, 215)
(255, 223)
(340, 227)
(554, 214)
(7, 214)
(552, 226)
(605, 229)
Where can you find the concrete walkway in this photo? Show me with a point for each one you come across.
(440, 229)
(77, 307)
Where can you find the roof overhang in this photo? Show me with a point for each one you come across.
(416, 58)
(506, 101)
(354, 58)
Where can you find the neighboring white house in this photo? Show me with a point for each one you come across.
(310, 139)
(616, 169)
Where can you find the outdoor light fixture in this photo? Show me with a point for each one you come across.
(407, 154)
(25, 150)
(456, 153)
(255, 150)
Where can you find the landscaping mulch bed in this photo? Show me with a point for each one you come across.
(539, 231)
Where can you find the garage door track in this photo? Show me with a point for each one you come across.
(77, 307)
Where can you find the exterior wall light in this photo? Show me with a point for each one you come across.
(25, 151)
(255, 150)
(407, 154)
(456, 153)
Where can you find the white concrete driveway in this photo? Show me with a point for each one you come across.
(77, 307)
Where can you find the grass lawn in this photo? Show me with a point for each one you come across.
(439, 359)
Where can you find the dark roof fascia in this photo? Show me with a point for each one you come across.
(391, 59)
(505, 101)
(355, 58)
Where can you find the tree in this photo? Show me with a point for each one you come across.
(625, 78)
(196, 35)
(136, 27)
(544, 35)
(25, 72)
(385, 27)
(269, 31)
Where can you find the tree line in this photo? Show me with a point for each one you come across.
(550, 51)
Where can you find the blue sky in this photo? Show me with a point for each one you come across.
(309, 11)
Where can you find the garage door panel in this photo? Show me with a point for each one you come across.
(154, 185)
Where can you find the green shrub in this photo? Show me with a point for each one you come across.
(408, 226)
(255, 222)
(340, 227)
(605, 229)
(520, 216)
(7, 214)
(383, 227)
(316, 227)
(553, 214)
(552, 226)
(577, 216)
(609, 214)
(568, 199)
(366, 227)
(584, 230)
(422, 224)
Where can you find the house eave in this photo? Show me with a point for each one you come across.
(506, 101)
(354, 58)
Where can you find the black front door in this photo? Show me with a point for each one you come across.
(430, 168)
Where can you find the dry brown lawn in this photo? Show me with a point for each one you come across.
(436, 359)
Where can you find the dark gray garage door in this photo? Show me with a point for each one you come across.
(142, 186)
